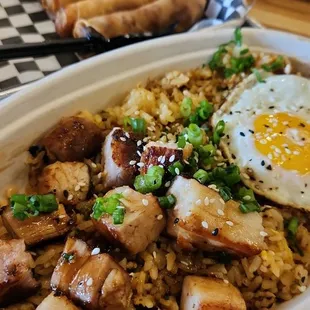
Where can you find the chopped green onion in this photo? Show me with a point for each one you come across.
(206, 150)
(118, 215)
(248, 207)
(246, 195)
(258, 76)
(276, 65)
(167, 202)
(195, 135)
(201, 176)
(217, 59)
(218, 131)
(229, 175)
(238, 36)
(138, 125)
(186, 107)
(181, 141)
(225, 193)
(238, 65)
(204, 110)
(151, 181)
(24, 206)
(293, 226)
(248, 201)
(193, 118)
(245, 51)
(176, 168)
(106, 205)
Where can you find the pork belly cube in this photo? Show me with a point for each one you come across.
(73, 139)
(119, 158)
(143, 222)
(74, 255)
(53, 302)
(69, 181)
(200, 293)
(16, 279)
(203, 220)
(165, 154)
(101, 283)
(38, 228)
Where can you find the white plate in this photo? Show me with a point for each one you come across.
(104, 80)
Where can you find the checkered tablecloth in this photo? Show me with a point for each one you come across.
(25, 21)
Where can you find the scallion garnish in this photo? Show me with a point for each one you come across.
(138, 125)
(276, 65)
(238, 36)
(204, 110)
(225, 193)
(248, 201)
(24, 206)
(201, 176)
(181, 141)
(118, 215)
(176, 168)
(186, 107)
(258, 76)
(167, 202)
(218, 131)
(292, 228)
(151, 181)
(195, 135)
(228, 176)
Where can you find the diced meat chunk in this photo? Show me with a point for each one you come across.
(38, 228)
(143, 222)
(72, 139)
(16, 279)
(101, 283)
(53, 302)
(75, 254)
(69, 181)
(119, 158)
(202, 219)
(200, 293)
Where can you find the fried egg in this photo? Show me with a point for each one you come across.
(267, 134)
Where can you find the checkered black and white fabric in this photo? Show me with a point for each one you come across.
(25, 21)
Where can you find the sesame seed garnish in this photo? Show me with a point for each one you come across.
(127, 135)
(229, 223)
(296, 152)
(177, 171)
(220, 212)
(122, 139)
(206, 201)
(198, 202)
(99, 175)
(215, 232)
(160, 217)
(270, 156)
(140, 165)
(163, 160)
(176, 220)
(269, 167)
(95, 251)
(226, 281)
(139, 143)
(145, 139)
(161, 166)
(145, 202)
(132, 162)
(70, 197)
(89, 282)
(245, 176)
(263, 141)
(222, 201)
(204, 224)
(167, 184)
(247, 197)
(212, 200)
(77, 188)
(288, 151)
(159, 159)
(82, 183)
(172, 158)
(184, 263)
(263, 234)
(214, 187)
(188, 213)
(154, 254)
(242, 134)
(93, 165)
(139, 153)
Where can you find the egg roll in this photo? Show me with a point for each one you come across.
(53, 6)
(153, 17)
(66, 18)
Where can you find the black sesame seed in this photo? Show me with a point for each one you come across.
(251, 131)
(302, 125)
(260, 181)
(269, 167)
(66, 193)
(233, 156)
(271, 107)
(303, 279)
(176, 220)
(270, 188)
(215, 232)
(230, 112)
(242, 134)
(227, 136)
(266, 126)
(306, 184)
(262, 163)
(302, 192)
(251, 159)
(271, 89)
(238, 112)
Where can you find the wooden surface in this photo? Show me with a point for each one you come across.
(287, 15)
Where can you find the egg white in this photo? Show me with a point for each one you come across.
(280, 93)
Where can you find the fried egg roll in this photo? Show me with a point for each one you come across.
(153, 17)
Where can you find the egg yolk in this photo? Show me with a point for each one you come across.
(285, 140)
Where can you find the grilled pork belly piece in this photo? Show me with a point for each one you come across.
(72, 139)
(202, 219)
(16, 279)
(54, 302)
(203, 293)
(75, 254)
(101, 283)
(69, 181)
(143, 222)
(119, 158)
(38, 228)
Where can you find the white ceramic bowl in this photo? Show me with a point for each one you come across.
(104, 80)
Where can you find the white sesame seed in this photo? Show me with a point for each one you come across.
(270, 156)
(89, 282)
(70, 197)
(198, 202)
(99, 175)
(77, 188)
(188, 213)
(245, 176)
(302, 288)
(159, 159)
(220, 212)
(150, 166)
(212, 200)
(161, 166)
(172, 158)
(263, 141)
(132, 162)
(186, 162)
(229, 223)
(167, 184)
(139, 143)
(93, 165)
(139, 153)
(247, 197)
(145, 139)
(222, 201)
(160, 217)
(214, 187)
(278, 150)
(296, 152)
(204, 224)
(95, 251)
(127, 135)
(145, 202)
(206, 201)
(82, 183)
(263, 234)
(163, 160)
(154, 254)
(140, 165)
(122, 139)
(62, 216)
(177, 171)
(184, 263)
(288, 151)
(226, 281)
